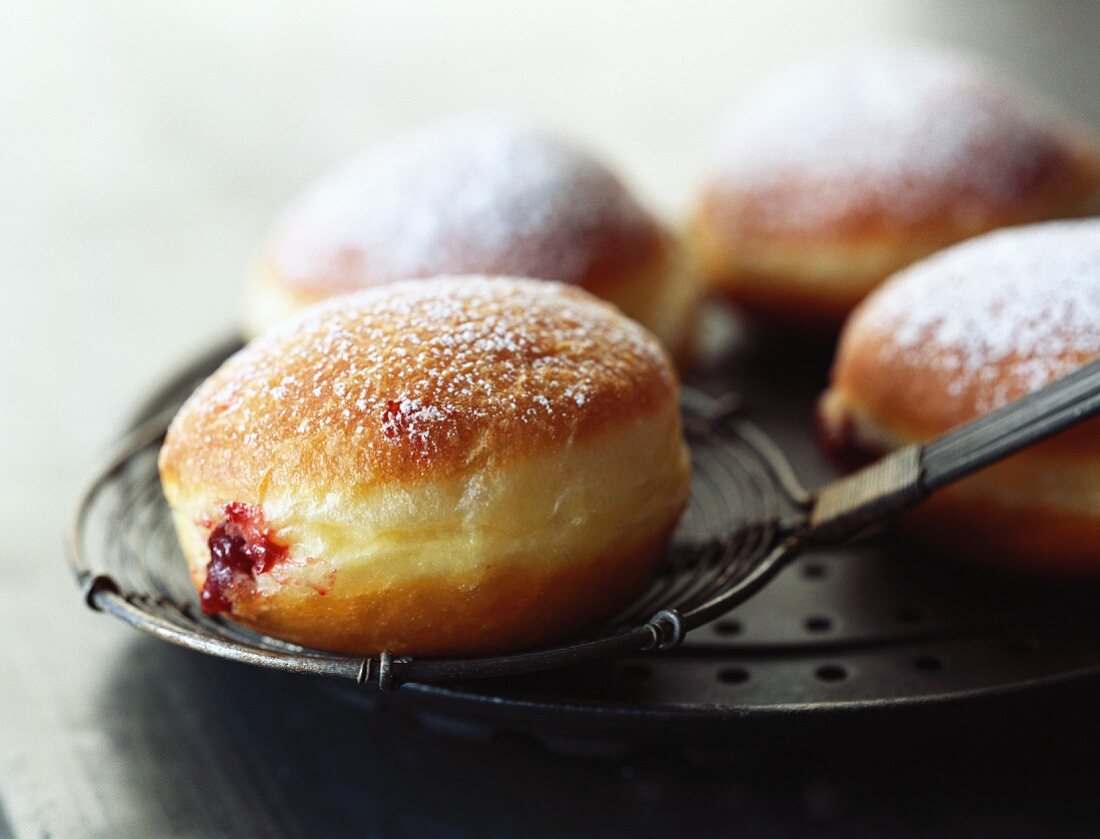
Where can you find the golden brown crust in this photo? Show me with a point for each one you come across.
(975, 327)
(1057, 177)
(961, 334)
(1032, 540)
(926, 402)
(473, 196)
(845, 172)
(416, 381)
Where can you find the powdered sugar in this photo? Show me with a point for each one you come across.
(420, 366)
(1002, 315)
(476, 195)
(885, 131)
(411, 419)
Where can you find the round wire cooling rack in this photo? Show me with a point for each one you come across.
(865, 633)
(877, 627)
(730, 540)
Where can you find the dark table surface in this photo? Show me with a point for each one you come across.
(203, 746)
(147, 149)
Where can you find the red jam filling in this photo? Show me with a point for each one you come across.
(393, 421)
(241, 548)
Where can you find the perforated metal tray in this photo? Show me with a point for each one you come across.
(871, 635)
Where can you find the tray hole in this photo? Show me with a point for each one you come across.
(728, 627)
(818, 623)
(831, 673)
(929, 663)
(733, 675)
(635, 672)
(814, 571)
(911, 614)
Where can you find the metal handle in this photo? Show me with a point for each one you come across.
(907, 476)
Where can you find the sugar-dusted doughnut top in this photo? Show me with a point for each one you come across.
(974, 327)
(417, 380)
(475, 195)
(890, 140)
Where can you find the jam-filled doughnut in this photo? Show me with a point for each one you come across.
(956, 336)
(438, 467)
(477, 195)
(851, 167)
